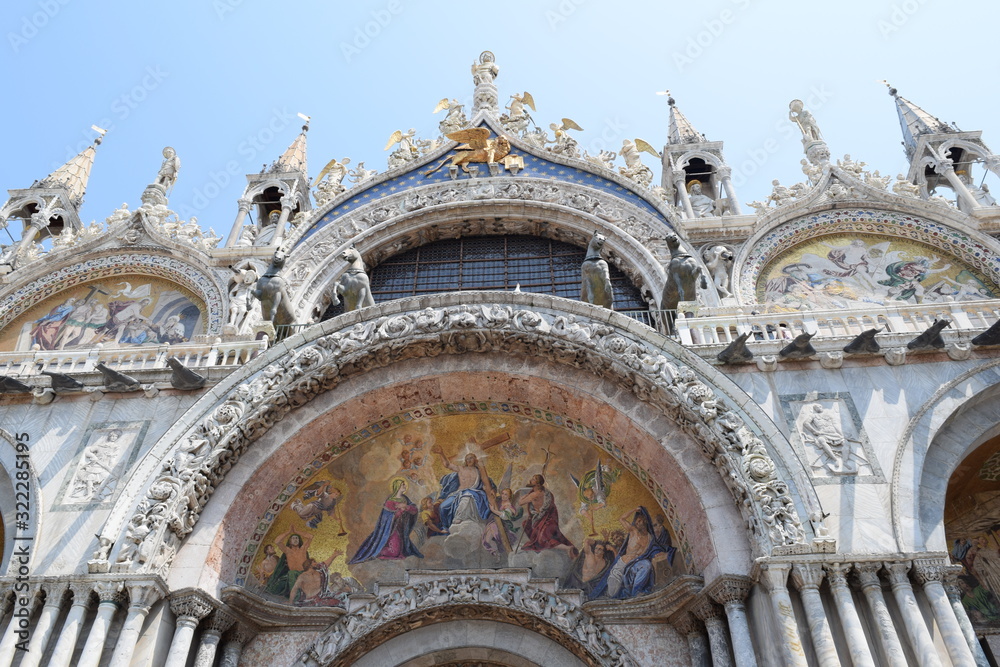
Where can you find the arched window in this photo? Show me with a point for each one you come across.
(491, 263)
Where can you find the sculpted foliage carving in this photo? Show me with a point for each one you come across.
(198, 463)
(517, 603)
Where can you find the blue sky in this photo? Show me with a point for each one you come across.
(222, 80)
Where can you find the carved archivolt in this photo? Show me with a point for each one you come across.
(102, 266)
(465, 597)
(501, 205)
(195, 458)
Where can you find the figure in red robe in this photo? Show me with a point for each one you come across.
(541, 528)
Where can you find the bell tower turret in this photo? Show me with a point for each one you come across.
(275, 195)
(695, 172)
(943, 156)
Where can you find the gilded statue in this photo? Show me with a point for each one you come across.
(479, 148)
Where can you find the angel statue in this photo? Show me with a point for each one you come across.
(407, 150)
(479, 148)
(634, 168)
(564, 143)
(360, 174)
(517, 120)
(455, 119)
(334, 173)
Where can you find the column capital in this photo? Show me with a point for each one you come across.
(774, 576)
(725, 171)
(685, 623)
(143, 595)
(219, 621)
(926, 570)
(868, 575)
(898, 573)
(287, 201)
(836, 574)
(241, 633)
(705, 610)
(54, 592)
(945, 165)
(950, 574)
(244, 205)
(81, 592)
(807, 575)
(110, 591)
(192, 604)
(678, 175)
(730, 588)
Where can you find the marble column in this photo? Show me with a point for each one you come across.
(189, 608)
(871, 586)
(682, 193)
(916, 627)
(774, 577)
(807, 577)
(141, 597)
(929, 574)
(966, 200)
(689, 626)
(710, 614)
(24, 606)
(215, 625)
(286, 210)
(40, 634)
(111, 596)
(726, 176)
(854, 632)
(237, 230)
(730, 591)
(951, 573)
(62, 654)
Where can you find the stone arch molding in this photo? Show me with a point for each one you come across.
(465, 207)
(111, 264)
(20, 503)
(164, 498)
(465, 597)
(960, 416)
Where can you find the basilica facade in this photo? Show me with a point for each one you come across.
(506, 403)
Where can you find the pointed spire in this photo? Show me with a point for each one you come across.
(915, 122)
(294, 157)
(73, 175)
(681, 130)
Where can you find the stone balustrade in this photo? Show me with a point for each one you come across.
(129, 359)
(835, 328)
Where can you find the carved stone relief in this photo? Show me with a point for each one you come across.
(827, 431)
(106, 450)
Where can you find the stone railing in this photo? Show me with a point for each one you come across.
(903, 322)
(129, 359)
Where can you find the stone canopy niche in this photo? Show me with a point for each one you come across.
(429, 489)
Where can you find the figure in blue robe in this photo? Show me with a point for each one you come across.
(391, 538)
(636, 577)
(451, 495)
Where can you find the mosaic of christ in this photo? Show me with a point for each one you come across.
(467, 491)
(124, 310)
(855, 271)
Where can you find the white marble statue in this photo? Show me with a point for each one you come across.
(822, 429)
(359, 175)
(798, 114)
(905, 188)
(171, 165)
(982, 194)
(702, 205)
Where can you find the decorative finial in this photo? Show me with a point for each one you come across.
(670, 100)
(305, 128)
(101, 132)
(892, 91)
